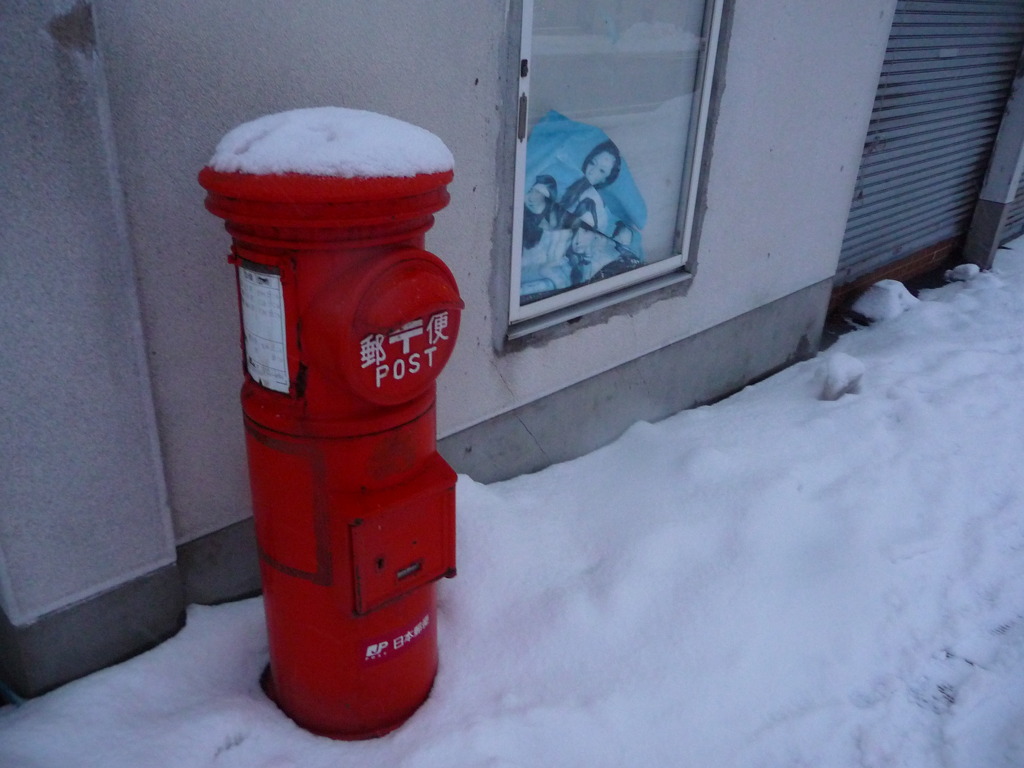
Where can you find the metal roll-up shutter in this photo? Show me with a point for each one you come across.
(1014, 226)
(945, 80)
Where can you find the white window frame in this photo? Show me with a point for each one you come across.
(544, 313)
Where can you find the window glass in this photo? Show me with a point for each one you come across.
(613, 113)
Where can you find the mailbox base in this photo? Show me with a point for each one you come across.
(267, 684)
(346, 680)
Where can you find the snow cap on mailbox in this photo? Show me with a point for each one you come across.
(324, 154)
(336, 201)
(331, 141)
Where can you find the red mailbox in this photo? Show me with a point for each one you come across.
(346, 324)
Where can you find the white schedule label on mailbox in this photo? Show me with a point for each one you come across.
(266, 352)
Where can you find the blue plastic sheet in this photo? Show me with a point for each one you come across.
(583, 215)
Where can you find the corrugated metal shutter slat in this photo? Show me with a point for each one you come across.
(880, 206)
(945, 157)
(899, 129)
(946, 203)
(983, 103)
(920, 147)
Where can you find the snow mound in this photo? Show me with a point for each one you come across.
(962, 273)
(331, 141)
(841, 374)
(884, 300)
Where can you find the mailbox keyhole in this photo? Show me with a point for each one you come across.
(380, 563)
(409, 570)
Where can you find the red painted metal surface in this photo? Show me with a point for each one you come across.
(346, 324)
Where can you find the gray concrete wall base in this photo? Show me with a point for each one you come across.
(88, 636)
(694, 371)
(221, 566)
(115, 625)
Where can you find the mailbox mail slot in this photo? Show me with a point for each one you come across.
(408, 540)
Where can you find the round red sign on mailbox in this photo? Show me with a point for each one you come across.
(404, 328)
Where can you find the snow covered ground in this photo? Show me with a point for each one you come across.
(826, 569)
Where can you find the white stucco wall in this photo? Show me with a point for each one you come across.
(82, 503)
(798, 90)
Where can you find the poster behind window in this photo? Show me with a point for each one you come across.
(583, 215)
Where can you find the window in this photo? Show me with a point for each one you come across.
(613, 103)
